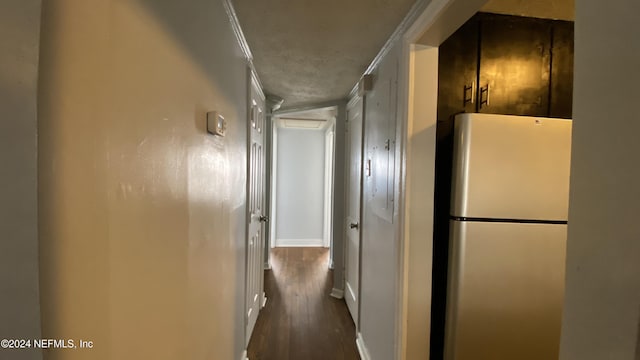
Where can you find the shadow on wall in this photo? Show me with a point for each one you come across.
(638, 341)
(186, 28)
(186, 24)
(142, 214)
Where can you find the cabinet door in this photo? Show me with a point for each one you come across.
(514, 65)
(562, 70)
(457, 71)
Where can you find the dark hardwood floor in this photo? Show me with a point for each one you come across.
(301, 320)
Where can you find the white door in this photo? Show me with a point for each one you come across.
(255, 203)
(354, 194)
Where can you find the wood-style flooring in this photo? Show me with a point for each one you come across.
(301, 320)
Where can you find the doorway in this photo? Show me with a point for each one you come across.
(419, 79)
(302, 175)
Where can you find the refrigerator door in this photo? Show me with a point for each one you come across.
(506, 289)
(511, 167)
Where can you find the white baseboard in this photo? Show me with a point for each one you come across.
(264, 300)
(362, 349)
(337, 293)
(299, 243)
(244, 355)
(267, 265)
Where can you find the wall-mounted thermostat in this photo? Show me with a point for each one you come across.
(216, 124)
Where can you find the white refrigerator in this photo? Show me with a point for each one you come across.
(508, 224)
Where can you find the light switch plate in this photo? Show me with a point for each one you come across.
(216, 124)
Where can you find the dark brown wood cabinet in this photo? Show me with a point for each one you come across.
(458, 71)
(561, 99)
(512, 65)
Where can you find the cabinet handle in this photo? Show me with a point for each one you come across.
(469, 93)
(484, 96)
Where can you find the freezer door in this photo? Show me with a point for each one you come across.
(505, 291)
(511, 167)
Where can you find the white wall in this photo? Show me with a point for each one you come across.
(602, 303)
(19, 288)
(142, 214)
(380, 250)
(300, 187)
(418, 250)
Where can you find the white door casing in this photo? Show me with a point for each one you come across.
(255, 204)
(328, 188)
(353, 206)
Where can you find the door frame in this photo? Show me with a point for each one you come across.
(329, 146)
(435, 23)
(273, 196)
(269, 178)
(331, 172)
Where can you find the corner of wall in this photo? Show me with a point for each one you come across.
(20, 305)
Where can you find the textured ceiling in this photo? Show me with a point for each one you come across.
(313, 51)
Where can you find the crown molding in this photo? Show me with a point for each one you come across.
(353, 100)
(242, 41)
(416, 10)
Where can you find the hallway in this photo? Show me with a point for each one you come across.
(301, 320)
(126, 203)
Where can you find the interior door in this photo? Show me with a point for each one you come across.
(354, 195)
(255, 201)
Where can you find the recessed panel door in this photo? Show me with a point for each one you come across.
(255, 204)
(354, 194)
